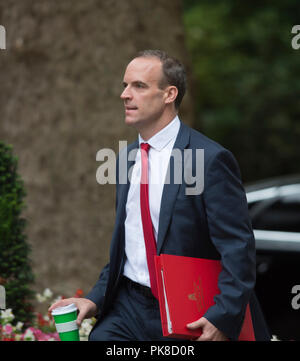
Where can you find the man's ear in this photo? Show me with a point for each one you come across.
(171, 93)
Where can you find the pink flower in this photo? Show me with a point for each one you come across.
(38, 334)
(41, 336)
(8, 329)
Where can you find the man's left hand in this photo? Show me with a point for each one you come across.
(209, 331)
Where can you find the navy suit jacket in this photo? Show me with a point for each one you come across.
(214, 224)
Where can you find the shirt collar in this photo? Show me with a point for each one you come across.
(161, 139)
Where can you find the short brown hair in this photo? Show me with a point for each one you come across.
(173, 72)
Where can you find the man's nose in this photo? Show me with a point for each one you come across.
(126, 94)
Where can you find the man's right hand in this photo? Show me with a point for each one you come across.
(86, 307)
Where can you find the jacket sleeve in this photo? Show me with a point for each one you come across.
(97, 293)
(231, 233)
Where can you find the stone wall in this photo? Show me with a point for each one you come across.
(61, 78)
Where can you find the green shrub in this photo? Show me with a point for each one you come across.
(247, 81)
(15, 268)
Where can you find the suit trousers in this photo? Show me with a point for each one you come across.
(132, 317)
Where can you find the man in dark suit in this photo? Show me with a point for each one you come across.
(205, 219)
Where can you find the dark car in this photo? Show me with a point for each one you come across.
(274, 207)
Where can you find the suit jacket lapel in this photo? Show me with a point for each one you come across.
(126, 162)
(171, 189)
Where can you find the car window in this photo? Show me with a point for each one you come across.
(281, 215)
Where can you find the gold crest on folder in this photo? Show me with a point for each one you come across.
(197, 295)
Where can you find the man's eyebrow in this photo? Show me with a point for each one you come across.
(139, 82)
(136, 82)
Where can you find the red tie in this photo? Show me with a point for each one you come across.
(150, 242)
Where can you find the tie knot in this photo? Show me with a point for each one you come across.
(145, 147)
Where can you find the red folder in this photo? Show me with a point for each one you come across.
(186, 289)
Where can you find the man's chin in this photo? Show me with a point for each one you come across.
(131, 122)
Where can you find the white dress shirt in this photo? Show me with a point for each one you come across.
(161, 143)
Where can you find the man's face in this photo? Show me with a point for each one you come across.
(144, 101)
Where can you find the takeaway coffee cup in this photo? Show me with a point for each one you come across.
(65, 322)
